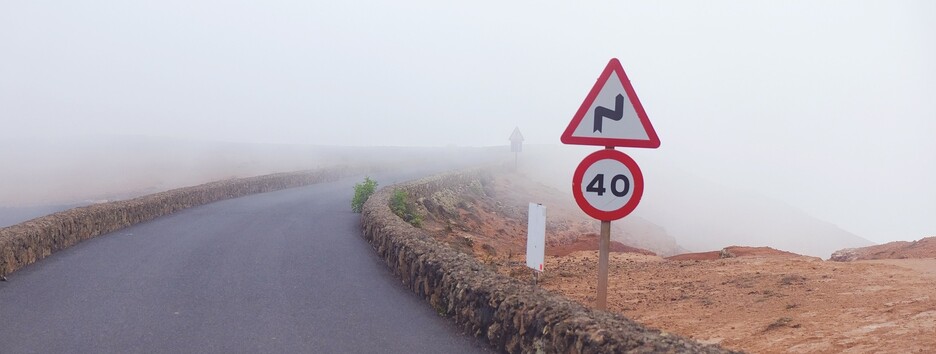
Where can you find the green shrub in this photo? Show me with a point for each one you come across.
(362, 191)
(398, 202)
(400, 205)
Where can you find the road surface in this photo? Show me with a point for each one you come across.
(284, 272)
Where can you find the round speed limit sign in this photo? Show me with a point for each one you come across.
(607, 185)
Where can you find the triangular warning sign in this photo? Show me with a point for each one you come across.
(611, 114)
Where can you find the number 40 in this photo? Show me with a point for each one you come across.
(597, 185)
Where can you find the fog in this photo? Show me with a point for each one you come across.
(826, 106)
(700, 214)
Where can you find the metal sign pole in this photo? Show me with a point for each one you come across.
(604, 244)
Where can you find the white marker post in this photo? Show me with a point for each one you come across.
(536, 239)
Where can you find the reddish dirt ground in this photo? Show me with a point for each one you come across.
(733, 251)
(489, 219)
(766, 303)
(755, 299)
(922, 248)
(589, 242)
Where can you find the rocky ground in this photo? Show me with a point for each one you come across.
(922, 248)
(747, 298)
(490, 217)
(767, 303)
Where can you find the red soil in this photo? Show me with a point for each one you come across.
(922, 248)
(589, 242)
(756, 299)
(733, 251)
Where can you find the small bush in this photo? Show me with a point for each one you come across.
(401, 206)
(398, 202)
(362, 191)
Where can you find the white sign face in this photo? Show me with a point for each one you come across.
(536, 237)
(607, 185)
(612, 115)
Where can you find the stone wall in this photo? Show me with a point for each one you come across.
(30, 241)
(511, 316)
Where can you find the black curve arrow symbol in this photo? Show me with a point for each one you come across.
(615, 115)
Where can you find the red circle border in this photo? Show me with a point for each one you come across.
(579, 174)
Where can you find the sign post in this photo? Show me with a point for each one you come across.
(608, 184)
(604, 247)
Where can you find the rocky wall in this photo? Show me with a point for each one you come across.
(512, 317)
(30, 241)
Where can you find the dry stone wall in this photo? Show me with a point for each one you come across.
(30, 241)
(511, 316)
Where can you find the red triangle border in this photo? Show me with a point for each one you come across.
(613, 67)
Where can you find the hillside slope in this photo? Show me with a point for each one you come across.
(489, 218)
(700, 214)
(757, 299)
(922, 248)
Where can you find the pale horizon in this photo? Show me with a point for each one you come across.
(826, 106)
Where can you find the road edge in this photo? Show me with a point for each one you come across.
(30, 241)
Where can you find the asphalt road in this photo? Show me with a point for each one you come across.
(282, 272)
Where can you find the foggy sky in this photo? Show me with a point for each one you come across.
(829, 106)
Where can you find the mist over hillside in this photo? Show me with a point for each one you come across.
(42, 176)
(844, 133)
(700, 214)
(55, 173)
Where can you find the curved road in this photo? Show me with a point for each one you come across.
(284, 272)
